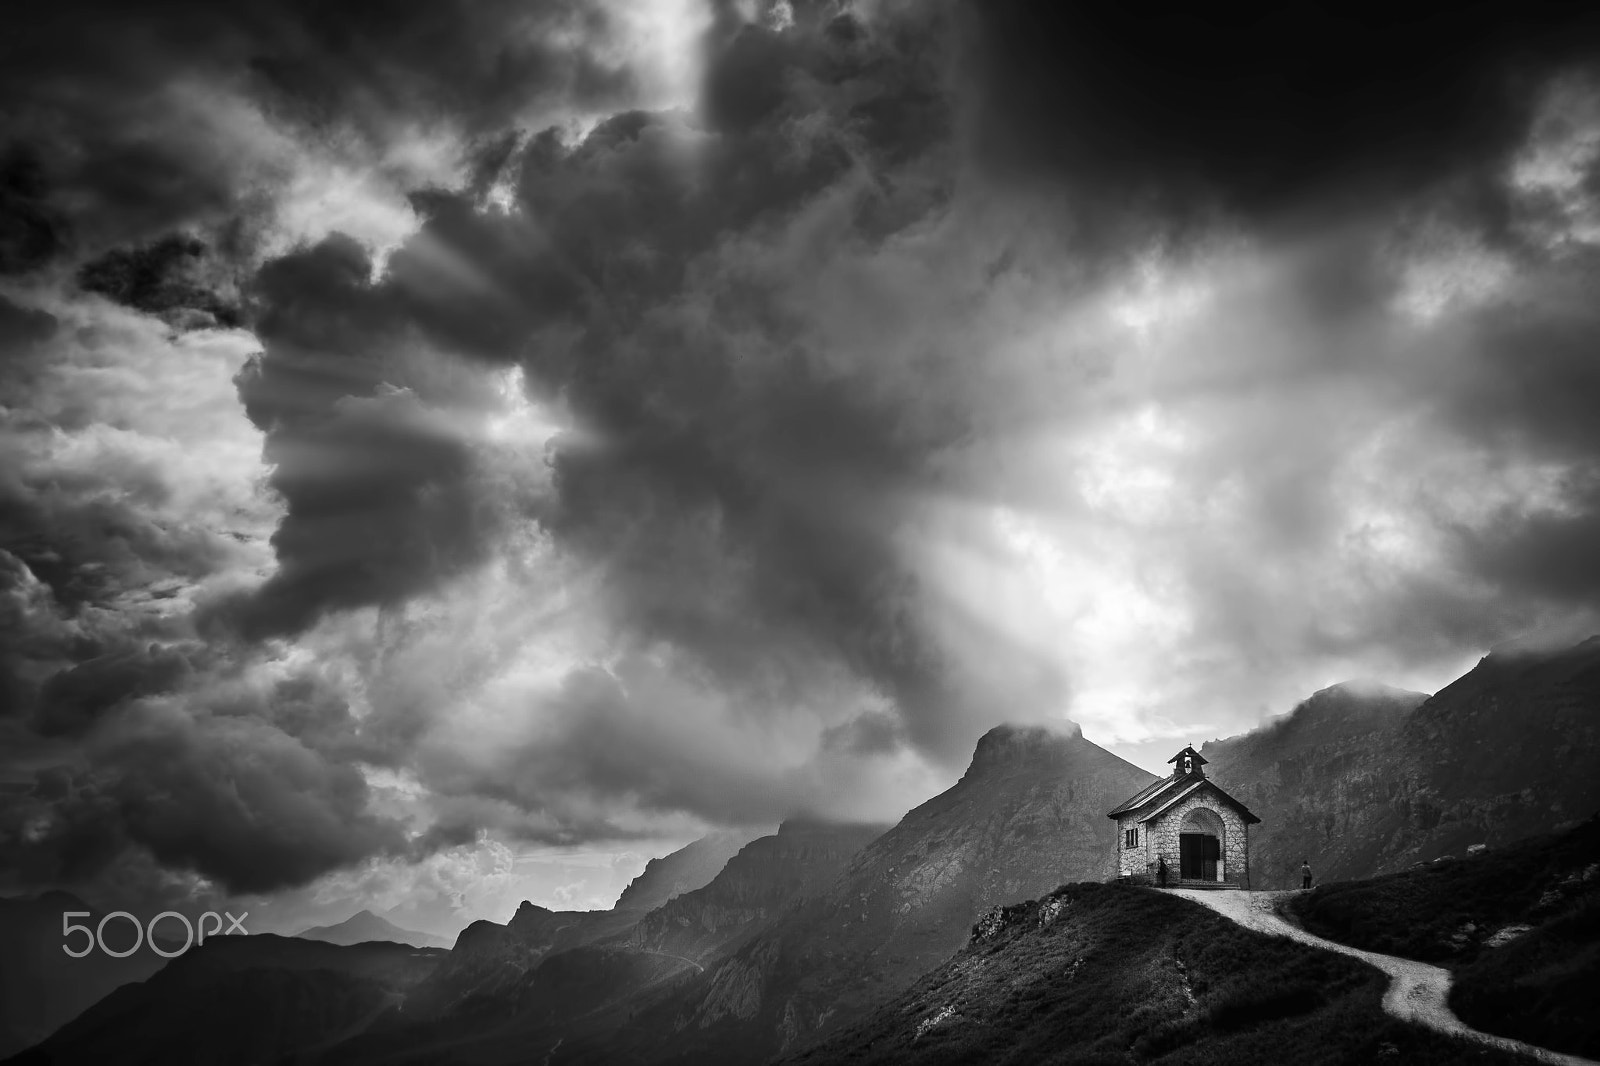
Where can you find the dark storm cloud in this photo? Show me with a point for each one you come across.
(74, 698)
(783, 338)
(91, 546)
(234, 799)
(1533, 390)
(717, 434)
(30, 229)
(362, 406)
(1258, 106)
(120, 499)
(239, 801)
(378, 492)
(177, 750)
(168, 278)
(93, 87)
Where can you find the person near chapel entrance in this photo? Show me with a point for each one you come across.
(1161, 872)
(1305, 874)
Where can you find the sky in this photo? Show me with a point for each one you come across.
(455, 451)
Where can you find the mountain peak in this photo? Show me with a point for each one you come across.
(1347, 709)
(1012, 743)
(364, 926)
(1363, 688)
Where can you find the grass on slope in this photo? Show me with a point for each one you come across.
(1110, 974)
(1538, 986)
(1425, 913)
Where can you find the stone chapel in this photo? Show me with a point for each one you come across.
(1188, 820)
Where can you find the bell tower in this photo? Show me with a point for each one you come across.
(1187, 765)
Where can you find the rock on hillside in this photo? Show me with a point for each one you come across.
(1028, 815)
(690, 867)
(1364, 781)
(801, 859)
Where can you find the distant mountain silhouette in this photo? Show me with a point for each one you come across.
(364, 926)
(42, 987)
(550, 976)
(256, 998)
(801, 859)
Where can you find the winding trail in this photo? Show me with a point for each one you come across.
(1418, 992)
(670, 955)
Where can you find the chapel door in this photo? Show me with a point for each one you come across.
(1198, 855)
(1191, 855)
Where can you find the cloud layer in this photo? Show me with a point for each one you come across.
(488, 428)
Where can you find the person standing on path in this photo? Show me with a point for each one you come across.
(1305, 874)
(1161, 871)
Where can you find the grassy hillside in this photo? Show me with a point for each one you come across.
(1519, 926)
(1444, 911)
(1108, 974)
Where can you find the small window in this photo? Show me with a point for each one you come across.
(1131, 838)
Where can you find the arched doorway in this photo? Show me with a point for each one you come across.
(1200, 846)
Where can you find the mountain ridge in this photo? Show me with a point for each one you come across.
(1028, 814)
(1363, 784)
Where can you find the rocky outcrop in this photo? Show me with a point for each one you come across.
(1362, 780)
(690, 867)
(801, 859)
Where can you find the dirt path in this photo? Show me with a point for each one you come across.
(670, 955)
(1418, 992)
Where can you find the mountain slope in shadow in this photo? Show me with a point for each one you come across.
(1107, 974)
(42, 987)
(1028, 814)
(1364, 780)
(256, 998)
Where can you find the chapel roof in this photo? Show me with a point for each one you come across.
(1169, 801)
(1156, 797)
